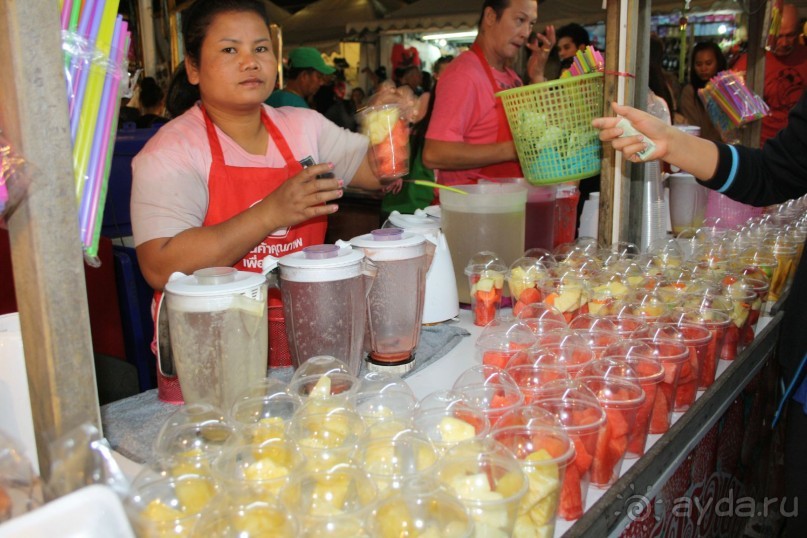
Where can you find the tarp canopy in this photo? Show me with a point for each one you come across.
(276, 13)
(325, 21)
(429, 15)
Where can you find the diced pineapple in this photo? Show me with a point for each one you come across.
(395, 520)
(161, 513)
(569, 299)
(328, 498)
(262, 521)
(484, 285)
(510, 484)
(194, 494)
(268, 428)
(454, 430)
(265, 469)
(322, 389)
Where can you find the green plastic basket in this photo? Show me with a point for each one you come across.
(551, 126)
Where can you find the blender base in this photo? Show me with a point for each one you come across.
(395, 368)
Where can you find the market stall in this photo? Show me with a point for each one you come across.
(54, 317)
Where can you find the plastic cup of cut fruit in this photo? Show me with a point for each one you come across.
(423, 504)
(500, 340)
(717, 323)
(621, 401)
(597, 340)
(489, 485)
(326, 439)
(522, 279)
(647, 373)
(493, 399)
(567, 294)
(343, 492)
(388, 132)
(544, 453)
(486, 280)
(531, 378)
(760, 289)
(244, 515)
(527, 415)
(605, 292)
(568, 350)
(625, 324)
(672, 354)
(321, 393)
(170, 505)
(390, 461)
(582, 420)
(262, 469)
(377, 406)
(260, 418)
(697, 339)
(452, 425)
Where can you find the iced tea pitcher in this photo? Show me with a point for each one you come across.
(324, 289)
(395, 303)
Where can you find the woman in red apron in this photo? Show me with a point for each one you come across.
(251, 211)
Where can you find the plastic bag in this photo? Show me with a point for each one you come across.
(82, 457)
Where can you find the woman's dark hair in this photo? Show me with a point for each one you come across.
(722, 64)
(150, 93)
(656, 79)
(577, 33)
(181, 93)
(195, 22)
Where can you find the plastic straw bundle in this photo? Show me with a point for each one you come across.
(94, 40)
(585, 61)
(726, 94)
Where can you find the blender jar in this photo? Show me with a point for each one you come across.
(395, 303)
(324, 290)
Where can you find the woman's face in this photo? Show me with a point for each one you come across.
(236, 68)
(705, 64)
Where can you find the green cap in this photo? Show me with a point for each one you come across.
(309, 58)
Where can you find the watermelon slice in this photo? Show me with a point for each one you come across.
(571, 496)
(660, 419)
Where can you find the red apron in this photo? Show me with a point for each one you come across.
(233, 189)
(503, 134)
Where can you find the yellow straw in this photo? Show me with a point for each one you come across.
(92, 97)
(426, 183)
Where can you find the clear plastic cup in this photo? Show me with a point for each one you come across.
(568, 350)
(261, 469)
(320, 365)
(242, 514)
(597, 340)
(582, 420)
(258, 418)
(421, 507)
(375, 407)
(672, 354)
(527, 415)
(500, 340)
(451, 425)
(531, 378)
(485, 272)
(169, 503)
(201, 438)
(716, 323)
(489, 485)
(388, 132)
(742, 298)
(493, 399)
(621, 401)
(540, 312)
(523, 278)
(391, 461)
(320, 393)
(326, 439)
(567, 294)
(333, 496)
(625, 324)
(544, 453)
(605, 292)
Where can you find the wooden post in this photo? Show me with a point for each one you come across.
(755, 73)
(614, 182)
(46, 250)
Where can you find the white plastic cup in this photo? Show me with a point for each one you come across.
(687, 202)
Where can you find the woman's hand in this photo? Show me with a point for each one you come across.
(302, 197)
(649, 126)
(541, 46)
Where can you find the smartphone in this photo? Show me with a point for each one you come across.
(309, 161)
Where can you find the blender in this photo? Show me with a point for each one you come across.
(324, 290)
(219, 332)
(440, 303)
(395, 303)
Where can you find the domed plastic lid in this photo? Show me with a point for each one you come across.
(420, 222)
(322, 257)
(390, 244)
(213, 281)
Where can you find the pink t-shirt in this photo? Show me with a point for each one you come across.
(464, 110)
(785, 81)
(169, 175)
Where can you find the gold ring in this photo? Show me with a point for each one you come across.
(547, 50)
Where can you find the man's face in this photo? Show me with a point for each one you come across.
(788, 31)
(510, 32)
(312, 81)
(566, 48)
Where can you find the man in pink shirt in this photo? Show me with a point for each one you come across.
(785, 73)
(468, 136)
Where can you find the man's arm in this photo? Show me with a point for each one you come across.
(438, 154)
